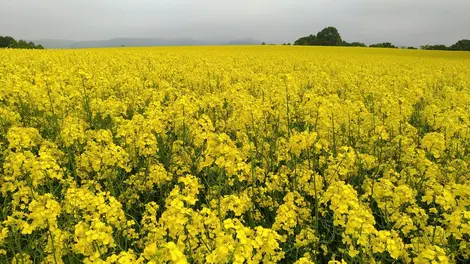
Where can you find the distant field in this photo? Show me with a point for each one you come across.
(240, 154)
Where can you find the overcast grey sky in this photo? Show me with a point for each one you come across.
(404, 22)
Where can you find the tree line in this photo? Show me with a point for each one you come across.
(463, 44)
(330, 36)
(9, 42)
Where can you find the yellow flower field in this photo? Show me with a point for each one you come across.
(261, 154)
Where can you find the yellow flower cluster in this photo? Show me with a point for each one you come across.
(234, 155)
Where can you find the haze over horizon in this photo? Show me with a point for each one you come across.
(402, 22)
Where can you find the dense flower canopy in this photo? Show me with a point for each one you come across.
(234, 155)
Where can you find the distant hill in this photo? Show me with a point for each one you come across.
(244, 41)
(55, 43)
(137, 42)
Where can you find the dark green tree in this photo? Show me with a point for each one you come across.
(308, 40)
(383, 45)
(329, 36)
(7, 42)
(463, 44)
(353, 44)
(4, 42)
(22, 44)
(434, 47)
